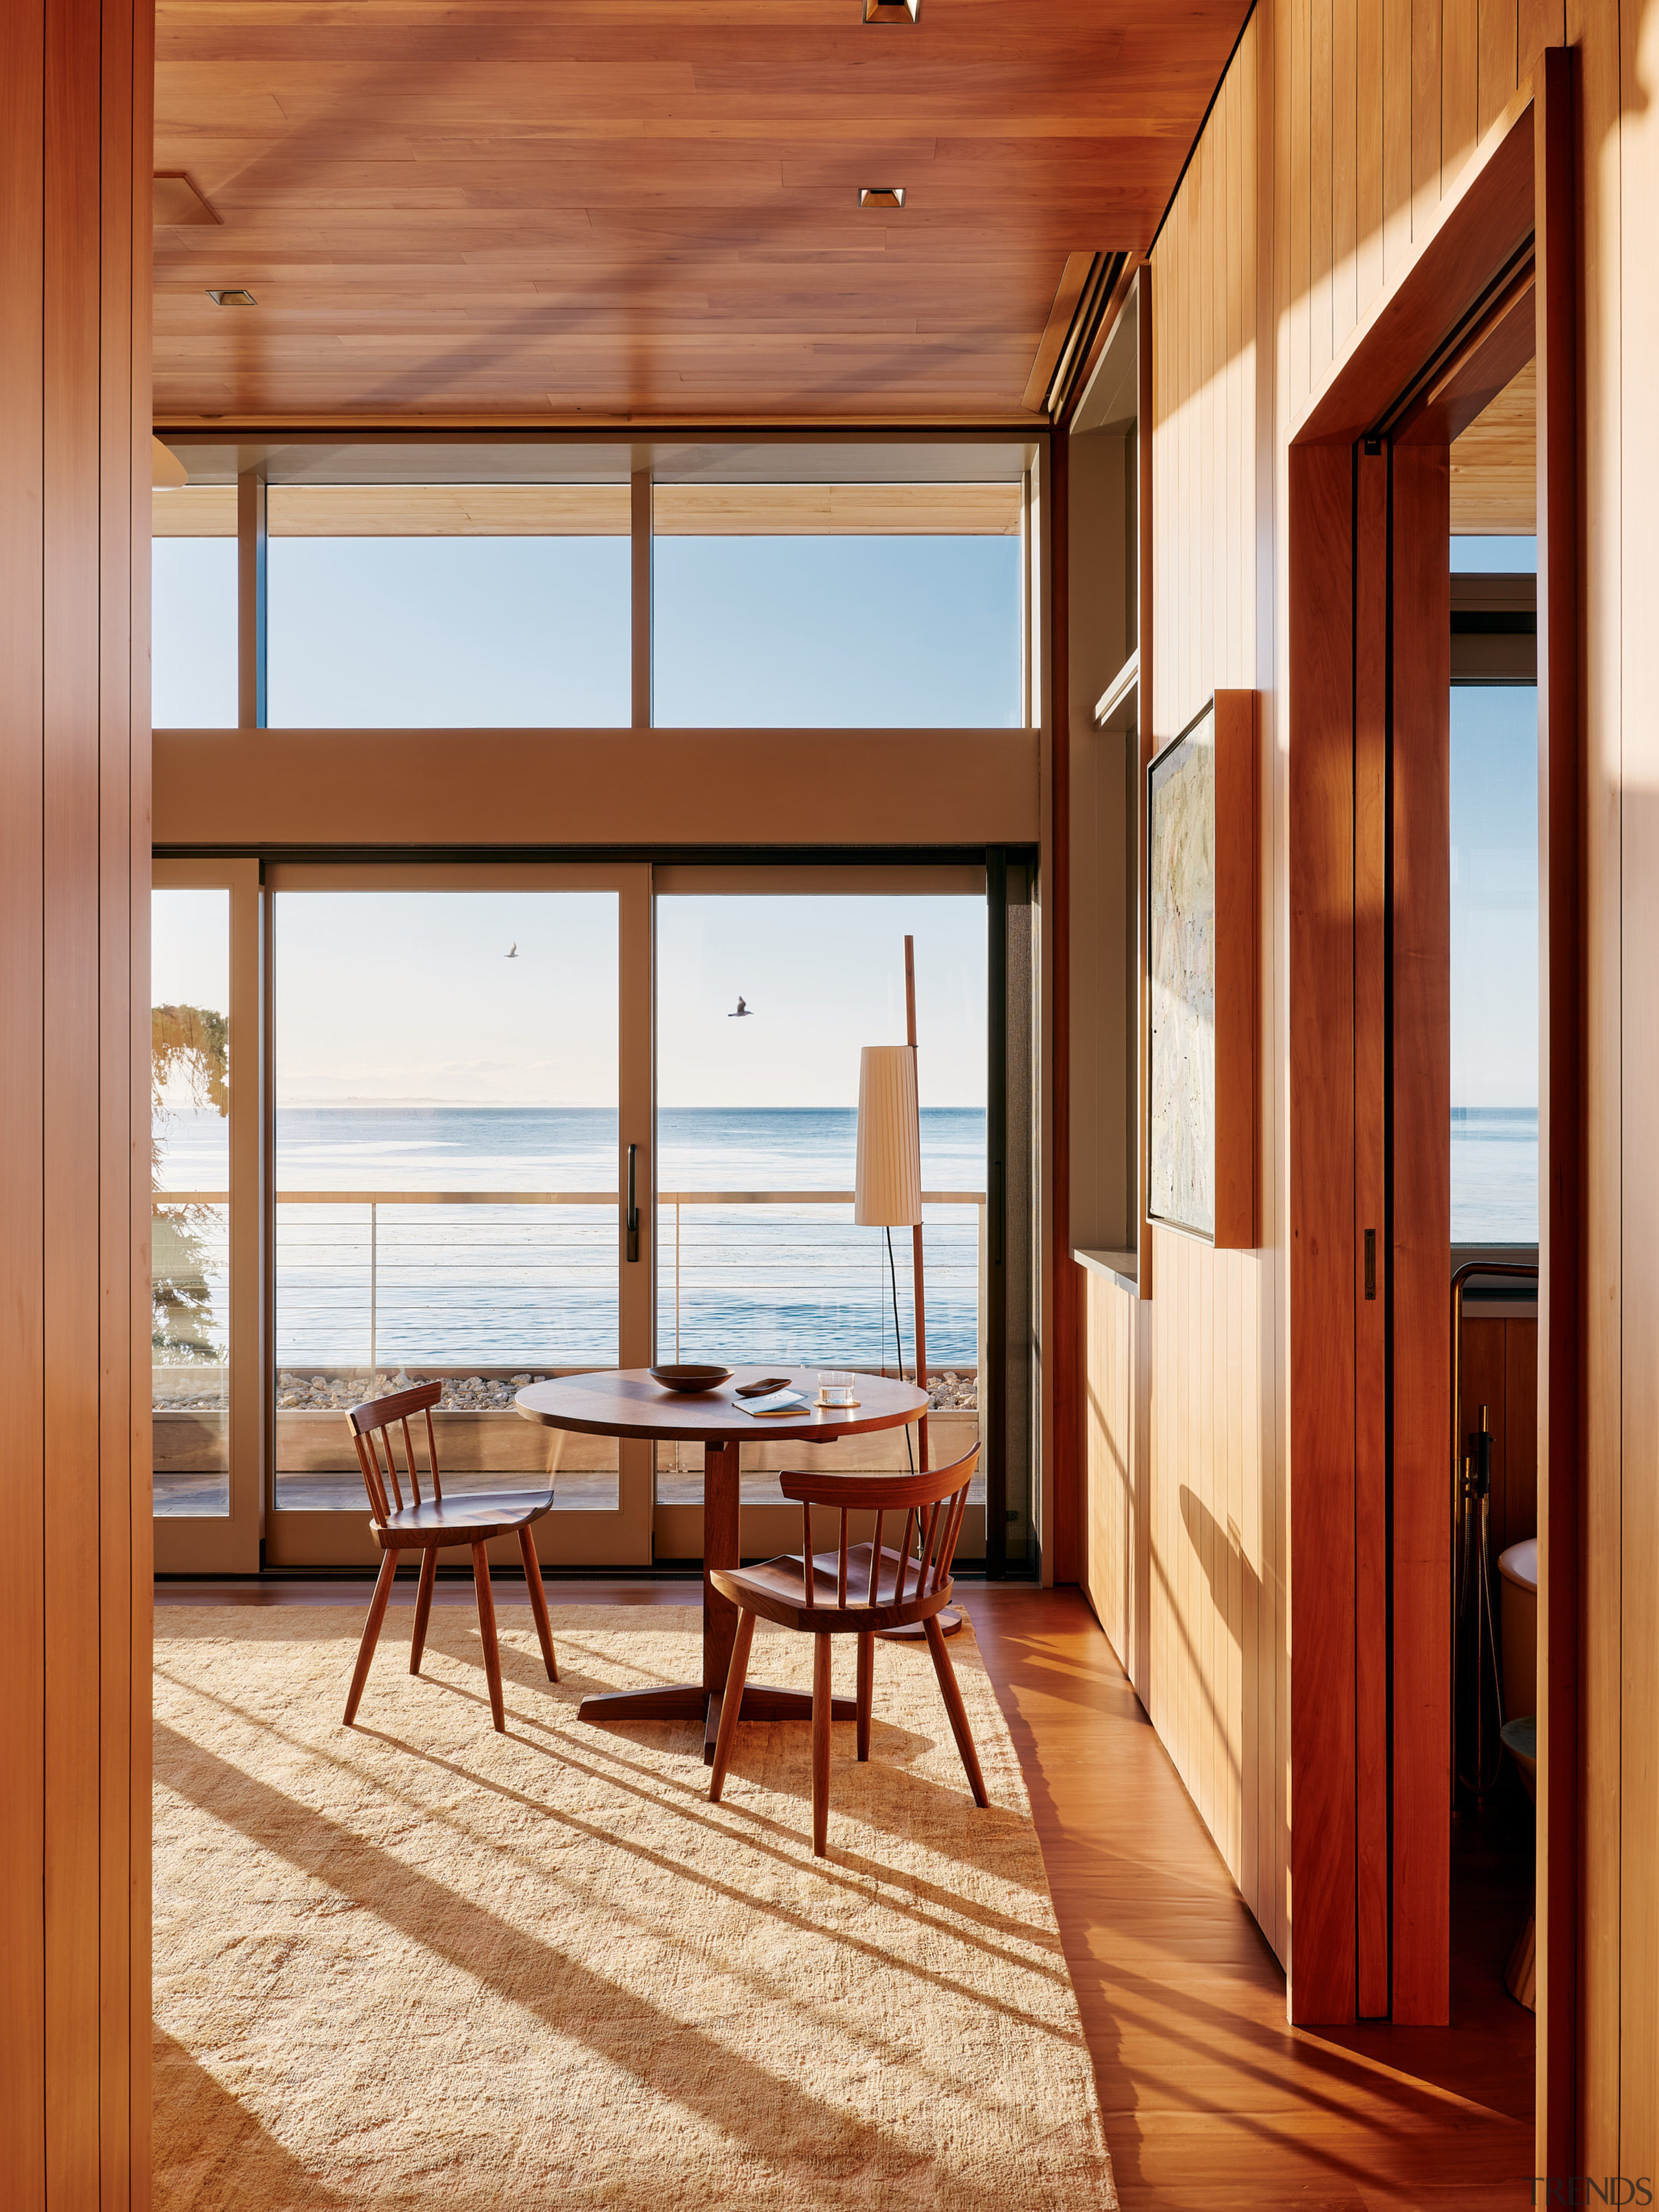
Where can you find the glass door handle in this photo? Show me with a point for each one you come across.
(633, 1205)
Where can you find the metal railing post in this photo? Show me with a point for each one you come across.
(981, 1329)
(374, 1288)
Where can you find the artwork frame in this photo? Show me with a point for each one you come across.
(1201, 932)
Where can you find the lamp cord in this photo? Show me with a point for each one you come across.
(898, 1344)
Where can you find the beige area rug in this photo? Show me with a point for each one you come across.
(418, 1964)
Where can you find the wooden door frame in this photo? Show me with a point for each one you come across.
(1369, 1694)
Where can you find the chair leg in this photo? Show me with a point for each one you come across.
(532, 1575)
(377, 1606)
(422, 1608)
(487, 1634)
(953, 1705)
(866, 1689)
(821, 1715)
(732, 1703)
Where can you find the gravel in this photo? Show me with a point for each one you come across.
(470, 1393)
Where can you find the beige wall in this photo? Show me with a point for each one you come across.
(1185, 1419)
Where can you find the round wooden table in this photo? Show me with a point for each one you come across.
(626, 1403)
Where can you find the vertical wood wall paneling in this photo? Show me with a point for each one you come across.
(1345, 169)
(1148, 505)
(1233, 363)
(1518, 1462)
(1460, 73)
(1368, 162)
(22, 1014)
(1580, 1433)
(1268, 1341)
(1638, 1804)
(70, 1087)
(1426, 66)
(1065, 1544)
(1499, 24)
(1563, 1798)
(1499, 1368)
(1398, 87)
(74, 82)
(1540, 23)
(1420, 984)
(1180, 1399)
(126, 1561)
(1371, 776)
(1321, 1240)
(1322, 187)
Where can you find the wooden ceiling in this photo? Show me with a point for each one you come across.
(517, 510)
(1494, 465)
(592, 210)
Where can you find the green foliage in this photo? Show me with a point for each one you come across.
(188, 1044)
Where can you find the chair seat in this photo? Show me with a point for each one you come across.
(475, 1517)
(773, 1589)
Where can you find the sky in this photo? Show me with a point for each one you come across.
(398, 996)
(1489, 556)
(1494, 896)
(438, 633)
(792, 631)
(395, 996)
(824, 975)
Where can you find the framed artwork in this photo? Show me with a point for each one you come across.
(1202, 942)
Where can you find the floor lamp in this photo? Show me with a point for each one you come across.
(887, 1192)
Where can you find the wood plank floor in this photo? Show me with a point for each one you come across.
(1210, 2099)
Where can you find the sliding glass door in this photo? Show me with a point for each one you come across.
(460, 1064)
(401, 1111)
(768, 983)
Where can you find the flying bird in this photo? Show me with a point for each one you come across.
(513, 954)
(743, 1008)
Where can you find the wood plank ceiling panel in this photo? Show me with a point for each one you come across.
(608, 209)
(1494, 465)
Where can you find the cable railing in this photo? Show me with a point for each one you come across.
(518, 1279)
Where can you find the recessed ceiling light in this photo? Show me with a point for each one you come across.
(881, 196)
(235, 297)
(891, 11)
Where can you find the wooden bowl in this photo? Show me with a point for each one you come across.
(689, 1380)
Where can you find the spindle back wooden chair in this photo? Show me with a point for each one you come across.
(857, 1589)
(431, 1522)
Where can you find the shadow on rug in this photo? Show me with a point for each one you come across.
(418, 1964)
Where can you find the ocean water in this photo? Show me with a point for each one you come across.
(526, 1285)
(1494, 1175)
(530, 1285)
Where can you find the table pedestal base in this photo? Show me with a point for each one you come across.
(682, 1701)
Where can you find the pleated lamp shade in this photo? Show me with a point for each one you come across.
(888, 1181)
